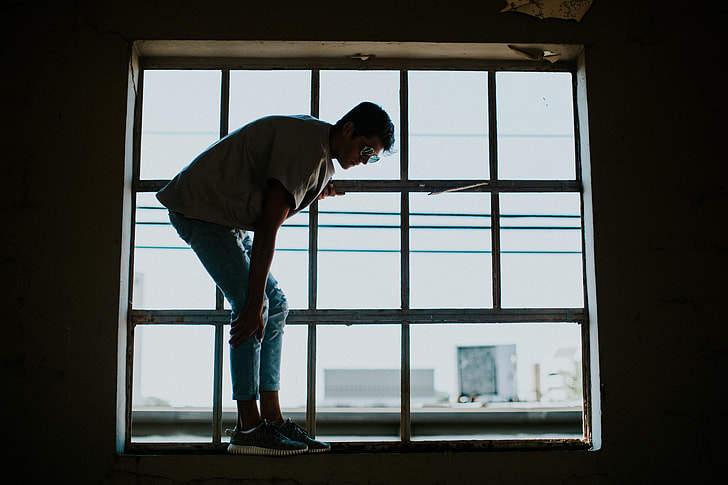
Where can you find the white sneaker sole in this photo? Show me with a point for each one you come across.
(257, 450)
(318, 450)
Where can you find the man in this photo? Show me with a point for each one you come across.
(253, 180)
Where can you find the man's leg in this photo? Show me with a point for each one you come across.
(225, 257)
(248, 415)
(270, 354)
(270, 407)
(223, 254)
(274, 317)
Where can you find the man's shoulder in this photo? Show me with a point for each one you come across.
(292, 120)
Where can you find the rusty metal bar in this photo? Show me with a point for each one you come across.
(219, 297)
(217, 383)
(224, 129)
(405, 413)
(312, 279)
(373, 317)
(427, 185)
(405, 425)
(494, 197)
(311, 380)
(495, 248)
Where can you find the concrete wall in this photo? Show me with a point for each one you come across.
(658, 198)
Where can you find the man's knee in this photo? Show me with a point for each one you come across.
(277, 303)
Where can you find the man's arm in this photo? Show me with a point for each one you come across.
(275, 210)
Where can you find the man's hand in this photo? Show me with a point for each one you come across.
(249, 322)
(329, 191)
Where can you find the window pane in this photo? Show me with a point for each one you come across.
(290, 264)
(448, 125)
(535, 125)
(341, 91)
(450, 255)
(486, 381)
(541, 260)
(167, 273)
(358, 382)
(173, 374)
(180, 118)
(359, 256)
(255, 94)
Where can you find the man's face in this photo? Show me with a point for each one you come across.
(350, 153)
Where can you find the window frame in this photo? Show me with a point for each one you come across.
(405, 315)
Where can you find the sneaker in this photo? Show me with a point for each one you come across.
(266, 439)
(296, 433)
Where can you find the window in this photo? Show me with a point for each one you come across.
(440, 304)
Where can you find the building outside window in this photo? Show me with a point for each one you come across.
(439, 303)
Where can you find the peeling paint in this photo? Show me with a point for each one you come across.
(536, 54)
(559, 9)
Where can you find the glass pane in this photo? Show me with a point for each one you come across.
(167, 273)
(359, 256)
(448, 125)
(504, 381)
(450, 255)
(535, 125)
(293, 393)
(180, 118)
(173, 376)
(255, 94)
(341, 91)
(290, 263)
(541, 260)
(358, 382)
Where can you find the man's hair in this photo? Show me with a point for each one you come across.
(370, 120)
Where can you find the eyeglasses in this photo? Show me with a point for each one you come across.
(368, 152)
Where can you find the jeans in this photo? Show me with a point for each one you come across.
(225, 254)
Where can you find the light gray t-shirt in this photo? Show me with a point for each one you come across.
(228, 183)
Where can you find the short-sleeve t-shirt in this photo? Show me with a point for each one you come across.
(228, 183)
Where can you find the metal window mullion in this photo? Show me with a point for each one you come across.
(313, 209)
(224, 130)
(404, 200)
(219, 298)
(312, 279)
(405, 391)
(217, 383)
(404, 250)
(406, 415)
(495, 248)
(494, 197)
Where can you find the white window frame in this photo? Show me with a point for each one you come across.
(403, 57)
